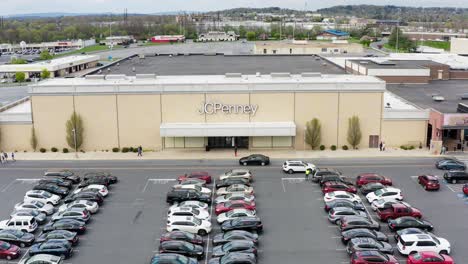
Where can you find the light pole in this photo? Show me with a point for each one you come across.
(305, 131)
(74, 138)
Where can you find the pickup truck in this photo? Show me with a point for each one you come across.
(398, 210)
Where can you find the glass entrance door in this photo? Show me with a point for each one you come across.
(228, 142)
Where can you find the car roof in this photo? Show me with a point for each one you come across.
(358, 240)
(431, 177)
(45, 257)
(369, 253)
(182, 209)
(241, 242)
(370, 174)
(238, 185)
(341, 192)
(353, 218)
(429, 254)
(399, 205)
(416, 237)
(22, 217)
(334, 183)
(391, 189)
(295, 161)
(240, 170)
(177, 218)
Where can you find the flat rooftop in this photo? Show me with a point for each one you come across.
(51, 65)
(309, 44)
(421, 94)
(221, 64)
(384, 63)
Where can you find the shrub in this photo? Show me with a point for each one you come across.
(54, 149)
(135, 150)
(322, 147)
(65, 150)
(345, 147)
(130, 149)
(115, 149)
(333, 147)
(411, 147)
(403, 147)
(124, 150)
(43, 150)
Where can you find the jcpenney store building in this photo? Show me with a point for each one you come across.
(219, 111)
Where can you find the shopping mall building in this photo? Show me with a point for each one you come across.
(256, 111)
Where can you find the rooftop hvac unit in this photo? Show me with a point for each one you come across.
(311, 74)
(116, 77)
(233, 75)
(145, 76)
(94, 77)
(280, 74)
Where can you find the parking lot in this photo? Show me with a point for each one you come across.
(296, 229)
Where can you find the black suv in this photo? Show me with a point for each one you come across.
(52, 188)
(58, 181)
(66, 174)
(456, 176)
(180, 195)
(243, 223)
(320, 172)
(335, 177)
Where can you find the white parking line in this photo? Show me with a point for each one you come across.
(157, 181)
(211, 214)
(8, 185)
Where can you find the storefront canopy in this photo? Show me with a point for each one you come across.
(243, 129)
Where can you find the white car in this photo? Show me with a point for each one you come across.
(190, 203)
(235, 214)
(386, 194)
(94, 187)
(22, 223)
(47, 209)
(341, 195)
(189, 224)
(412, 243)
(235, 188)
(382, 203)
(41, 196)
(91, 206)
(194, 187)
(237, 173)
(193, 181)
(292, 166)
(188, 211)
(234, 197)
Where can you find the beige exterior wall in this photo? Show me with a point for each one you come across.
(401, 132)
(50, 113)
(15, 137)
(240, 99)
(139, 120)
(304, 49)
(99, 114)
(182, 108)
(273, 107)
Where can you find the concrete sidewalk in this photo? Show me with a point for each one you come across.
(226, 154)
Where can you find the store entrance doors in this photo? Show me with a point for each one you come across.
(228, 142)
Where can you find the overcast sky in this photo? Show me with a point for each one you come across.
(9, 7)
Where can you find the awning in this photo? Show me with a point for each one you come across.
(238, 129)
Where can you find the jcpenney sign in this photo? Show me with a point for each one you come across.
(214, 108)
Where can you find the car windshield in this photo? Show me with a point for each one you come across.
(417, 256)
(46, 194)
(182, 259)
(4, 246)
(198, 188)
(195, 211)
(39, 204)
(230, 213)
(379, 192)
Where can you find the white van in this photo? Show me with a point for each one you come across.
(23, 223)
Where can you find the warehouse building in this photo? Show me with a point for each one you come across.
(306, 47)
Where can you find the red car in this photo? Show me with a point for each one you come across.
(369, 257)
(9, 251)
(228, 206)
(398, 210)
(337, 186)
(465, 189)
(365, 178)
(429, 257)
(203, 175)
(429, 182)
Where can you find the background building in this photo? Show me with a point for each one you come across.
(117, 40)
(332, 34)
(168, 39)
(306, 47)
(218, 36)
(459, 46)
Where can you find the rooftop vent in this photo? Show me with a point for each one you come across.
(438, 98)
(280, 74)
(145, 76)
(94, 77)
(311, 74)
(116, 77)
(233, 75)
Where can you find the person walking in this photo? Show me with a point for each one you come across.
(140, 151)
(5, 155)
(307, 174)
(13, 156)
(235, 150)
(380, 145)
(383, 146)
(1, 158)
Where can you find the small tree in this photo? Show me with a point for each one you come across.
(251, 36)
(18, 61)
(354, 131)
(74, 131)
(313, 135)
(45, 74)
(45, 55)
(33, 139)
(20, 76)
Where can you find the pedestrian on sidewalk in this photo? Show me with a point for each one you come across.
(13, 156)
(307, 174)
(140, 151)
(5, 155)
(442, 150)
(383, 146)
(235, 150)
(380, 145)
(1, 158)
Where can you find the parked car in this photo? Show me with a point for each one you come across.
(410, 244)
(188, 211)
(351, 222)
(320, 172)
(371, 187)
(80, 214)
(234, 258)
(347, 235)
(450, 164)
(365, 178)
(63, 173)
(91, 206)
(57, 247)
(41, 196)
(180, 195)
(428, 257)
(236, 174)
(429, 182)
(234, 235)
(95, 180)
(384, 204)
(111, 179)
(343, 203)
(89, 196)
(69, 236)
(398, 210)
(387, 194)
(22, 223)
(231, 181)
(193, 181)
(235, 197)
(236, 188)
(52, 188)
(456, 176)
(337, 186)
(243, 223)
(199, 188)
(255, 159)
(183, 248)
(229, 206)
(189, 203)
(202, 175)
(9, 251)
(335, 178)
(370, 257)
(42, 258)
(182, 236)
(66, 224)
(189, 224)
(409, 231)
(465, 189)
(367, 243)
(409, 221)
(341, 195)
(336, 214)
(238, 246)
(47, 209)
(38, 216)
(101, 189)
(17, 237)
(62, 182)
(233, 214)
(171, 258)
(293, 166)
